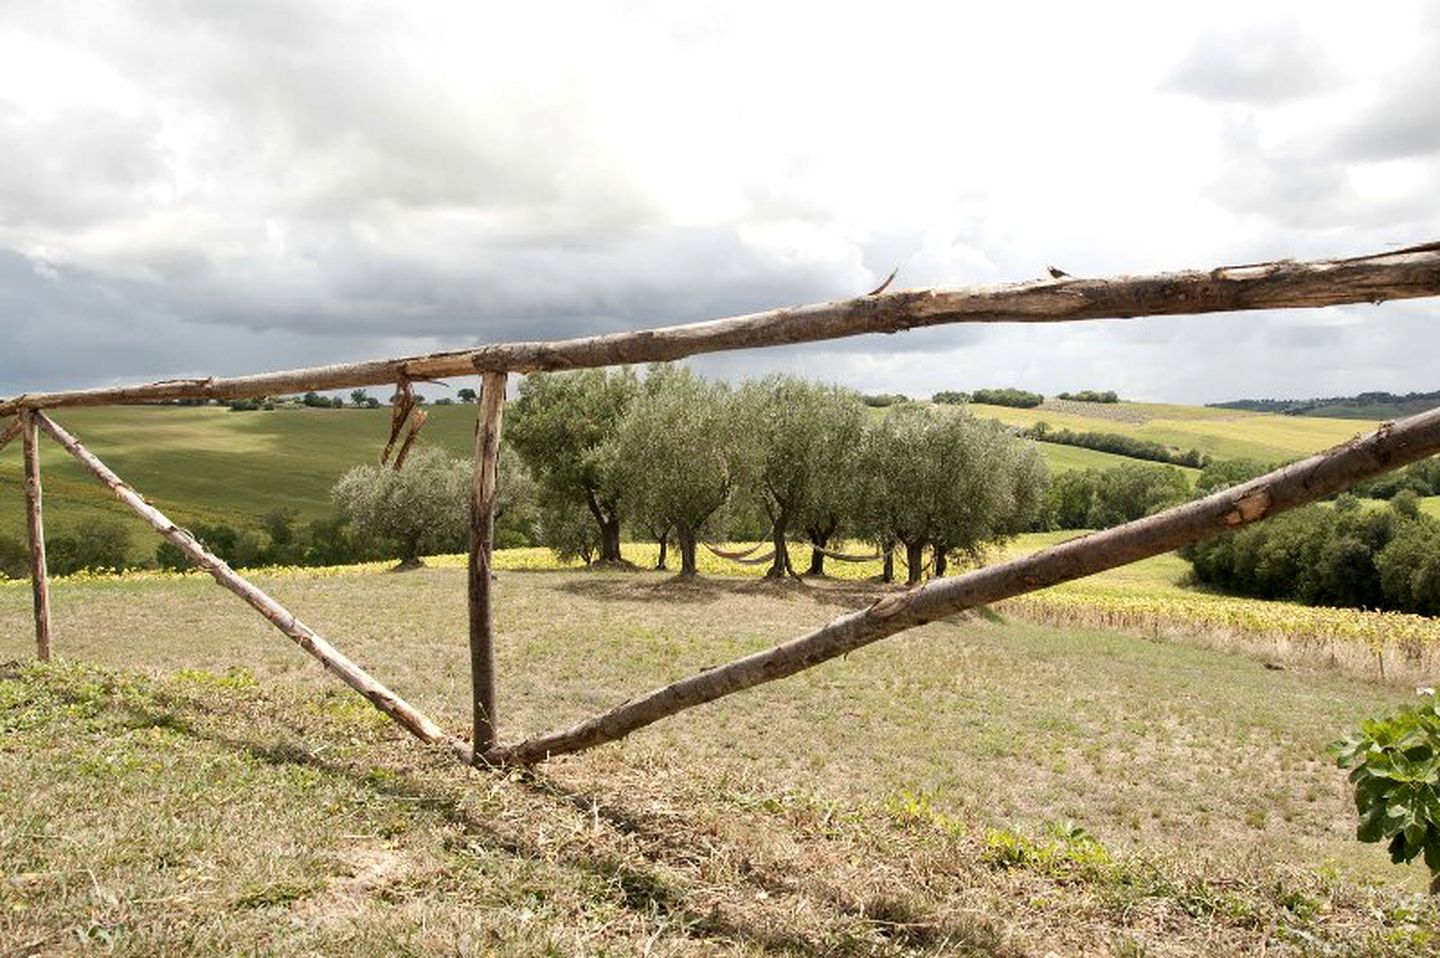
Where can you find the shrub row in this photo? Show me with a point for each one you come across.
(1118, 444)
(1340, 555)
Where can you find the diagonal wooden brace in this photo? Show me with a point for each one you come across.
(406, 715)
(1391, 446)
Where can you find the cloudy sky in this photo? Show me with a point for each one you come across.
(192, 188)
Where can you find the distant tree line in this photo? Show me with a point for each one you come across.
(359, 399)
(1340, 554)
(1018, 398)
(1119, 444)
(1299, 407)
(1091, 395)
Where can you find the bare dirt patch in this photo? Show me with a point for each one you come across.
(365, 870)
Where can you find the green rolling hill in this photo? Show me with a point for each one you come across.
(1221, 433)
(207, 464)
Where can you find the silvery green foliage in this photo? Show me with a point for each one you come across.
(802, 442)
(936, 474)
(559, 424)
(421, 507)
(675, 453)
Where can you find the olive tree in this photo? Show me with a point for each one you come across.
(800, 438)
(943, 479)
(419, 507)
(559, 424)
(675, 455)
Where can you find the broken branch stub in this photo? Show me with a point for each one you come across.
(11, 430)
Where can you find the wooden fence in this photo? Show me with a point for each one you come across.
(1399, 274)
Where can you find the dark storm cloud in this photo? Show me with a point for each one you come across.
(247, 186)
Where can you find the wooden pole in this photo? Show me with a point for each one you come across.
(482, 536)
(1391, 446)
(405, 714)
(35, 526)
(1396, 274)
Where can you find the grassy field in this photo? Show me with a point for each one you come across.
(1064, 458)
(1222, 433)
(207, 464)
(974, 787)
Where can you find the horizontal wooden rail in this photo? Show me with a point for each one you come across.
(1390, 447)
(1399, 274)
(405, 714)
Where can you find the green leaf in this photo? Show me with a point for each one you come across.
(1372, 825)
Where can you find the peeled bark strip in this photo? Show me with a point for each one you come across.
(482, 536)
(1398, 274)
(1391, 446)
(414, 721)
(35, 527)
(8, 434)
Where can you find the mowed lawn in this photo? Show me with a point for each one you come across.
(1197, 765)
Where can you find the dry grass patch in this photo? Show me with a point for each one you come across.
(199, 814)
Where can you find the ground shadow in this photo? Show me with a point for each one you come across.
(644, 882)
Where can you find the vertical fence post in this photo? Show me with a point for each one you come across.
(482, 534)
(39, 578)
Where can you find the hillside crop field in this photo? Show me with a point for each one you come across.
(1222, 433)
(979, 786)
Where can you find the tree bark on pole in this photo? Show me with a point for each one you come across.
(405, 714)
(1284, 284)
(482, 539)
(1391, 446)
(35, 527)
(11, 430)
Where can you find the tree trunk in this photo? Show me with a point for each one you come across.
(610, 539)
(819, 538)
(664, 545)
(409, 555)
(685, 538)
(887, 571)
(940, 558)
(915, 559)
(781, 564)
